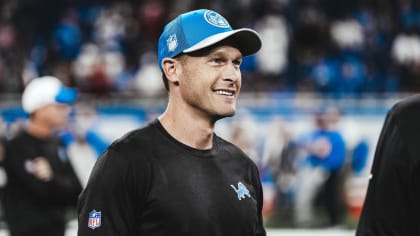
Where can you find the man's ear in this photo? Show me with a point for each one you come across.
(170, 69)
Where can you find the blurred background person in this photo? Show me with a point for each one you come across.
(83, 143)
(279, 161)
(41, 181)
(3, 176)
(319, 170)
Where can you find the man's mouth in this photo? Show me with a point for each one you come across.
(224, 92)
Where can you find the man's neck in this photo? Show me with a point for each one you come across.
(188, 128)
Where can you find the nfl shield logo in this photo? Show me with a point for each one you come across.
(94, 219)
(172, 42)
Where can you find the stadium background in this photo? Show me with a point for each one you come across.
(360, 56)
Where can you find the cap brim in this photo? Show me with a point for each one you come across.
(246, 40)
(66, 95)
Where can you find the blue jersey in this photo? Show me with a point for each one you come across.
(336, 157)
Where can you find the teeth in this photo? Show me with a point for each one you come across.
(224, 92)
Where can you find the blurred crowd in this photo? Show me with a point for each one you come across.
(337, 48)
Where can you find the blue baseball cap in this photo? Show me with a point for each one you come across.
(199, 29)
(46, 90)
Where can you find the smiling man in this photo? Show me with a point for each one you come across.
(176, 176)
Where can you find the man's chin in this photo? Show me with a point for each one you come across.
(222, 115)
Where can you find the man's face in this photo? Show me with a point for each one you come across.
(210, 82)
(54, 115)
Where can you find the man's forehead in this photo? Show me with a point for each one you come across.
(219, 49)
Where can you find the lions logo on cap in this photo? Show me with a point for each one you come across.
(172, 42)
(216, 19)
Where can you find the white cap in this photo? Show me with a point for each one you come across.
(46, 90)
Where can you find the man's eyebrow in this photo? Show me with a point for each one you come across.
(217, 52)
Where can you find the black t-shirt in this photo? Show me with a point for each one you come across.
(148, 183)
(30, 203)
(392, 205)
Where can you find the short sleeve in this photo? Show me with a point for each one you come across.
(111, 201)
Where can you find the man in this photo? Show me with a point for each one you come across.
(41, 181)
(321, 169)
(175, 176)
(392, 202)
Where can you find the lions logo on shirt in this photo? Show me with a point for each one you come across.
(216, 19)
(241, 191)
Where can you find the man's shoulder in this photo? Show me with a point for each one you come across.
(410, 104)
(228, 146)
(405, 116)
(234, 151)
(20, 138)
(132, 149)
(135, 139)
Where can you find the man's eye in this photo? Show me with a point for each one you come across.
(216, 60)
(237, 63)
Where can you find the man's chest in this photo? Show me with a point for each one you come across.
(200, 193)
